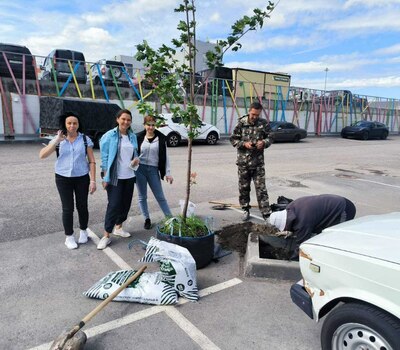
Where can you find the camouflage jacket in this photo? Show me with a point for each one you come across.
(244, 132)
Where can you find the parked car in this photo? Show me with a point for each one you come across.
(15, 55)
(176, 132)
(57, 61)
(351, 273)
(365, 130)
(284, 131)
(108, 68)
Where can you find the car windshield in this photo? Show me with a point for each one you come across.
(115, 63)
(274, 125)
(177, 120)
(361, 124)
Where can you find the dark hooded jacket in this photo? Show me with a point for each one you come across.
(162, 150)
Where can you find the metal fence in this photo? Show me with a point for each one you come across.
(220, 101)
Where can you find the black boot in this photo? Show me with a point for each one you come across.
(147, 224)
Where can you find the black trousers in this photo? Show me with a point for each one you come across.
(119, 203)
(67, 188)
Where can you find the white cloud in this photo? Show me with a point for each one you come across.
(96, 35)
(391, 50)
(374, 20)
(301, 38)
(215, 17)
(369, 3)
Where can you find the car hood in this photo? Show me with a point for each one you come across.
(375, 236)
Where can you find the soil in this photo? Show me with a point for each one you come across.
(234, 237)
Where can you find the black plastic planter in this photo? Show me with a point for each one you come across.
(201, 248)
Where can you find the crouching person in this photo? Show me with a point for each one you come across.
(310, 215)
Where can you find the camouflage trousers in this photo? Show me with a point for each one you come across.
(258, 176)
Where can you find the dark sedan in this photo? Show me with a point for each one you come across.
(366, 130)
(284, 131)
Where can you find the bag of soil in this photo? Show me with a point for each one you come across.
(177, 266)
(148, 288)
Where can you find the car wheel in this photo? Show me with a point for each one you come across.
(212, 138)
(173, 139)
(363, 326)
(365, 135)
(296, 138)
(117, 72)
(384, 136)
(271, 139)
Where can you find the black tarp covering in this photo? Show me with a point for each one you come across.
(96, 117)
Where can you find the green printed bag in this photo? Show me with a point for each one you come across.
(177, 266)
(148, 288)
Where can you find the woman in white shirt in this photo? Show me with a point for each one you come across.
(75, 161)
(154, 166)
(119, 158)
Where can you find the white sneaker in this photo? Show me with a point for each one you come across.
(70, 242)
(120, 232)
(104, 242)
(83, 237)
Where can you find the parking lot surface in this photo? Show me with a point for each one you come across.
(43, 282)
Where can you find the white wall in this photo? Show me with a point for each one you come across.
(28, 122)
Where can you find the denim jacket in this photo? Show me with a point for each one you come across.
(109, 147)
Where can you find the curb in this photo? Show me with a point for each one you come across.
(21, 139)
(254, 266)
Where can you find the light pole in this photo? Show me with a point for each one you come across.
(326, 76)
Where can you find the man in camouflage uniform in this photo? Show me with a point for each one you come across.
(250, 137)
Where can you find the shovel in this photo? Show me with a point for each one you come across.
(75, 339)
(223, 206)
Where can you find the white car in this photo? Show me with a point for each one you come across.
(176, 132)
(351, 272)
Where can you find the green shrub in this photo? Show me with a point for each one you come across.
(192, 227)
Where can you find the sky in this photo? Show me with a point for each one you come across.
(338, 44)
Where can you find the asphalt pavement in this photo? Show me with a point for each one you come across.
(43, 282)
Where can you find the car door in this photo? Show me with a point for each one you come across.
(203, 131)
(178, 126)
(380, 130)
(373, 131)
(283, 132)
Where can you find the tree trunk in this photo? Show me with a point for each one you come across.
(188, 180)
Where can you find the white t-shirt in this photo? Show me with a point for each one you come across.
(124, 159)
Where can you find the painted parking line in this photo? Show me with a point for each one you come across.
(251, 215)
(122, 264)
(378, 183)
(174, 314)
(195, 334)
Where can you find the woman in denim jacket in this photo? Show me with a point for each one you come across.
(119, 160)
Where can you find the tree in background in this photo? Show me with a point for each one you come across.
(169, 76)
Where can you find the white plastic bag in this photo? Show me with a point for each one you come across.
(148, 288)
(190, 209)
(176, 265)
